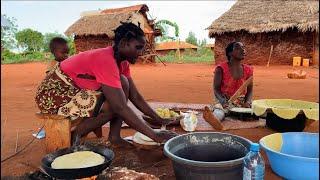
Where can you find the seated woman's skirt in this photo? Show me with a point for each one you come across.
(57, 94)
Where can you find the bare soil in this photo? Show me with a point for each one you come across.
(183, 83)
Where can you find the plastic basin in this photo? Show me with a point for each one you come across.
(293, 155)
(207, 155)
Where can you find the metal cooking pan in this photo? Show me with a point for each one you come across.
(243, 115)
(79, 172)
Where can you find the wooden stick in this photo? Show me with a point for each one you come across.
(179, 58)
(270, 55)
(239, 91)
(160, 60)
(17, 141)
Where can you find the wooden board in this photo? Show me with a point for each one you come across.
(58, 134)
(229, 124)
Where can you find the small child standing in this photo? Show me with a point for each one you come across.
(60, 50)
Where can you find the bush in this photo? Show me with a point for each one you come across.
(203, 55)
(170, 57)
(8, 57)
(204, 51)
(190, 52)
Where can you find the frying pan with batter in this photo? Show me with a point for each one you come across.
(78, 172)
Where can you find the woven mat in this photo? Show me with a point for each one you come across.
(228, 123)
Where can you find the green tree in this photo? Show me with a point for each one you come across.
(203, 43)
(71, 45)
(164, 26)
(8, 32)
(192, 39)
(30, 39)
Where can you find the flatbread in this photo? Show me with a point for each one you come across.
(144, 137)
(241, 110)
(76, 160)
(140, 138)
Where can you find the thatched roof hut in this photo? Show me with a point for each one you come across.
(164, 48)
(290, 26)
(95, 28)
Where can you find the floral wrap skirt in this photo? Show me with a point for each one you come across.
(57, 94)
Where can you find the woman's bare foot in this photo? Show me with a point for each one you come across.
(211, 119)
(119, 142)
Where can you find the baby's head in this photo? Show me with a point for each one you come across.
(59, 48)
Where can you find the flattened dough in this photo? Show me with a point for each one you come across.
(143, 139)
(80, 159)
(241, 110)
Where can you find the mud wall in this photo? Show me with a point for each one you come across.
(285, 46)
(84, 43)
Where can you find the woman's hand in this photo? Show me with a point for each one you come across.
(164, 135)
(162, 121)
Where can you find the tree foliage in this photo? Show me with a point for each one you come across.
(203, 43)
(8, 33)
(192, 39)
(164, 26)
(30, 39)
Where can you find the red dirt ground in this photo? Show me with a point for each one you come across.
(184, 83)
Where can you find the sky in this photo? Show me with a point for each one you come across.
(57, 16)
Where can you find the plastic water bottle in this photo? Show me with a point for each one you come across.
(253, 164)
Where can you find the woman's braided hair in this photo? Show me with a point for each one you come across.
(126, 31)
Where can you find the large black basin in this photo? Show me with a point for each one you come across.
(207, 155)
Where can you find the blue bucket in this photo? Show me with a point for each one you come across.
(293, 155)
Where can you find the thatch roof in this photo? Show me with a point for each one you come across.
(171, 45)
(142, 8)
(265, 16)
(105, 21)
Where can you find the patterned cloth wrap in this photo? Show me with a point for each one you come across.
(57, 94)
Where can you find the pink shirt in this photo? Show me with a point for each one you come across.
(229, 86)
(99, 65)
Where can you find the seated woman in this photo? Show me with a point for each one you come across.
(96, 84)
(229, 76)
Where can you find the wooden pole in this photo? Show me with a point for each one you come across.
(270, 55)
(179, 58)
(160, 60)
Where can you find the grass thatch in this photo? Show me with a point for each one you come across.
(268, 15)
(101, 24)
(105, 21)
(142, 8)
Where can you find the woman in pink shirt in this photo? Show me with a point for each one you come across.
(228, 78)
(95, 85)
